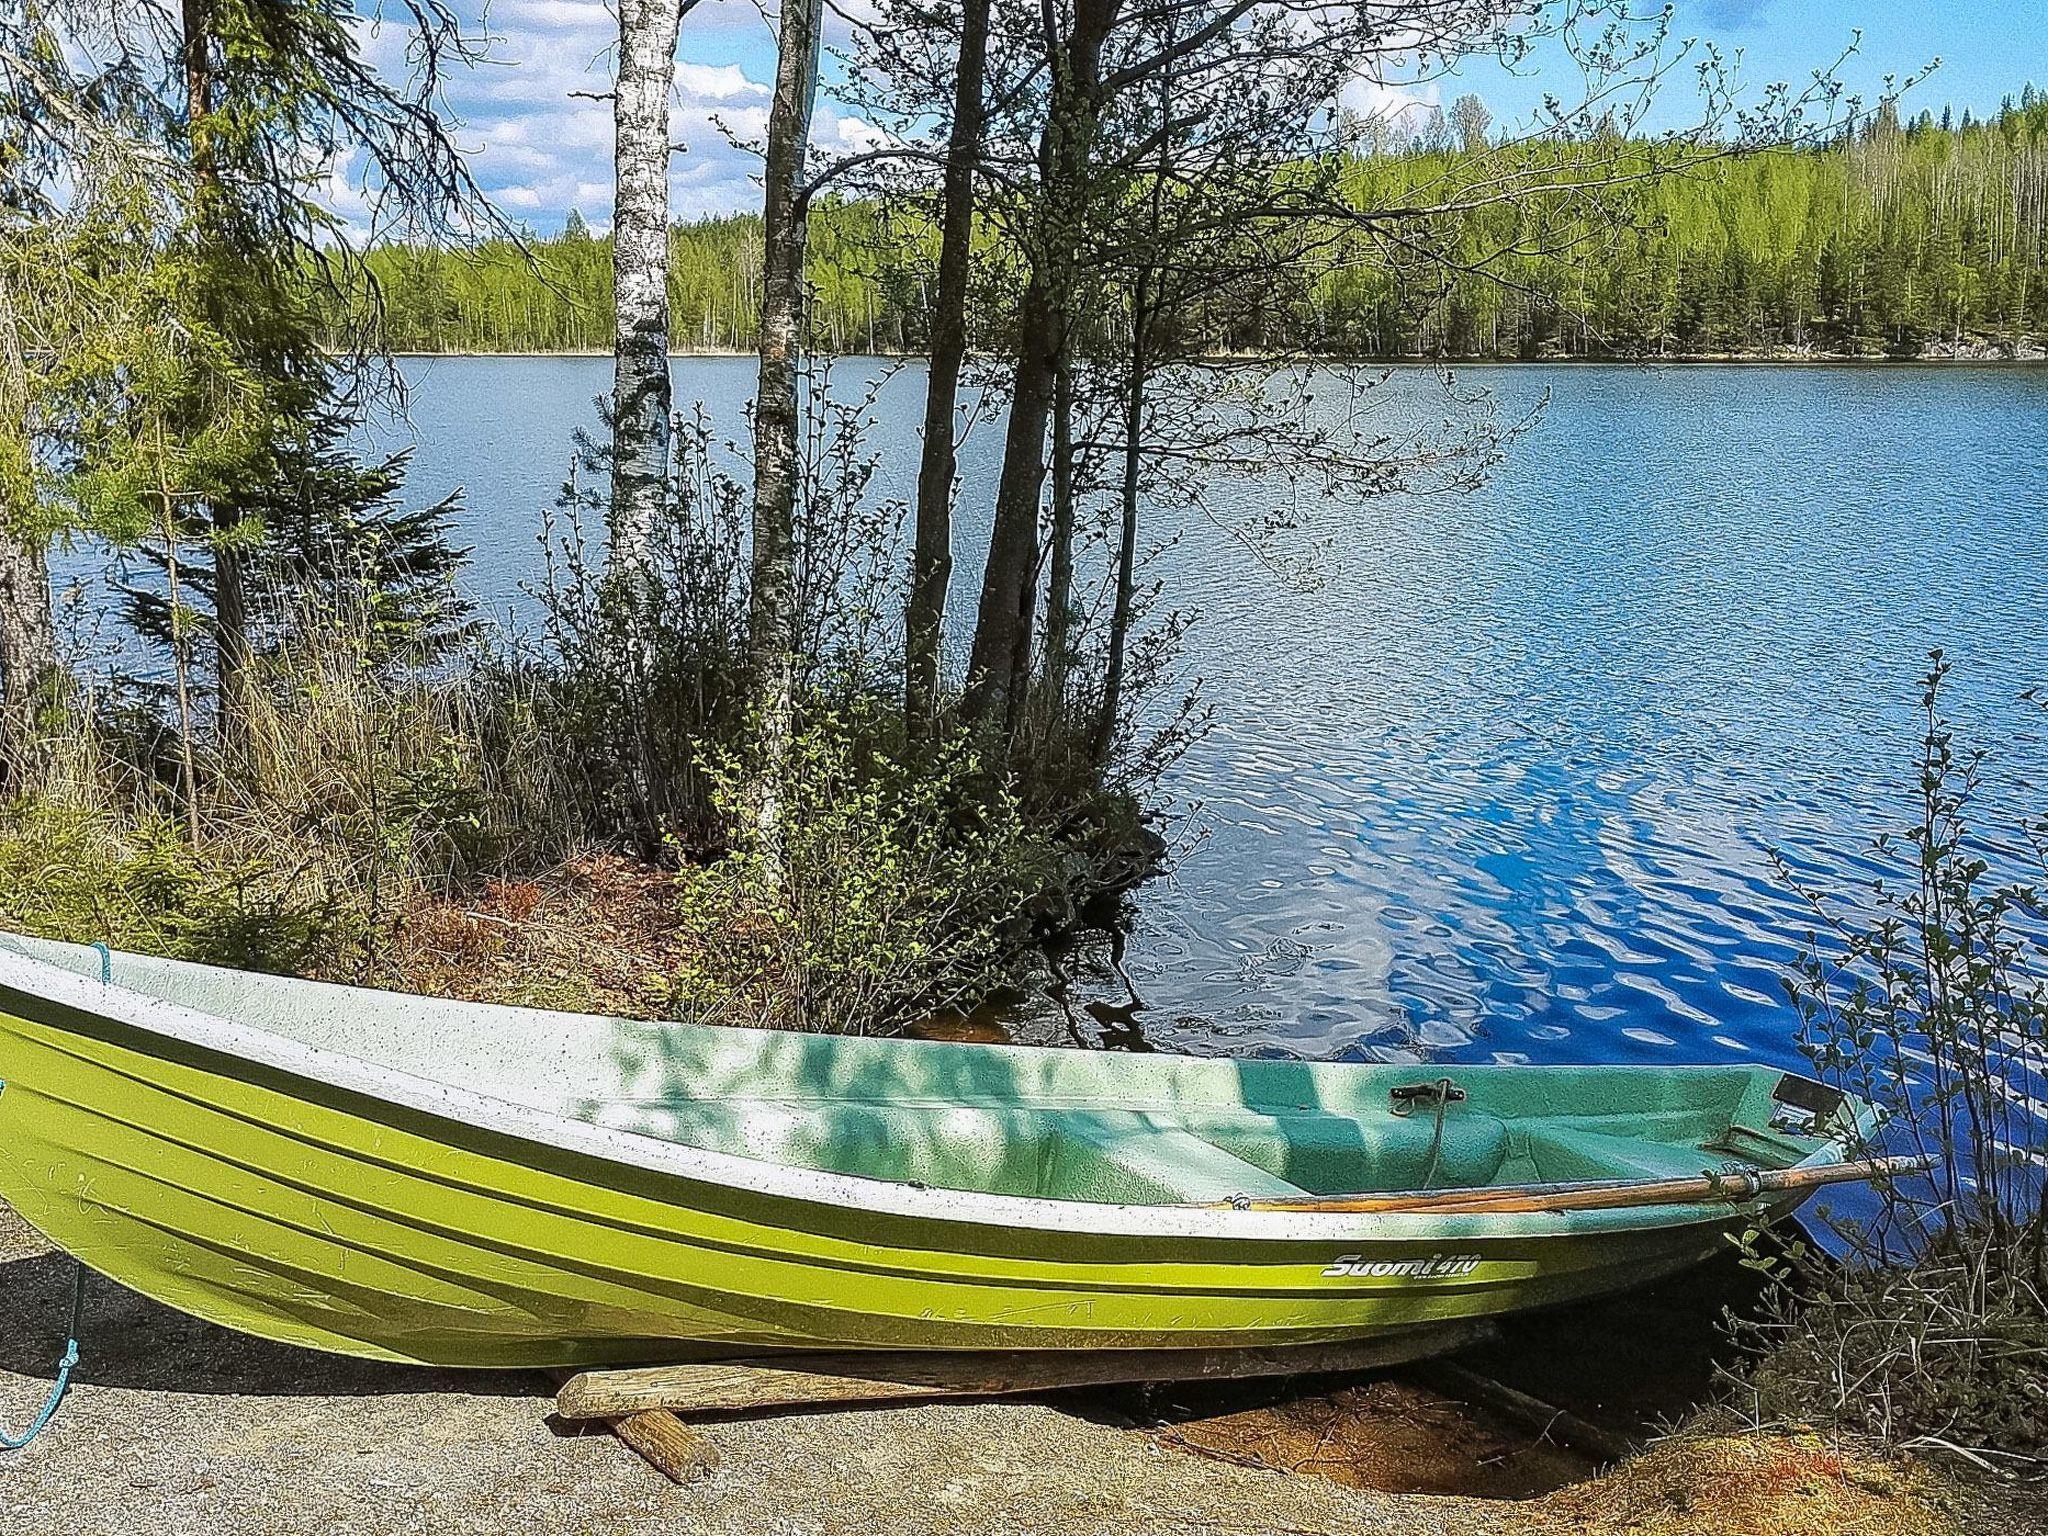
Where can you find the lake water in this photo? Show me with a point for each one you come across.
(1507, 785)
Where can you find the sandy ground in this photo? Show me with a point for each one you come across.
(177, 1427)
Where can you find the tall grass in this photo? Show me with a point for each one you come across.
(348, 789)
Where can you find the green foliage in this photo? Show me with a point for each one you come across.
(627, 686)
(323, 532)
(1895, 240)
(355, 790)
(897, 887)
(1930, 998)
(84, 874)
(554, 295)
(908, 880)
(183, 334)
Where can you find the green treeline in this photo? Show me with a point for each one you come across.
(1901, 240)
(1907, 238)
(555, 295)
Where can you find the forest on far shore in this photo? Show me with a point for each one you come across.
(1920, 236)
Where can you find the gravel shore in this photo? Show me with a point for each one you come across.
(177, 1427)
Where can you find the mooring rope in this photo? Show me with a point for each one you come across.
(1441, 1093)
(1436, 1141)
(65, 1367)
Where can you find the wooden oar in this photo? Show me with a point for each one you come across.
(1595, 1194)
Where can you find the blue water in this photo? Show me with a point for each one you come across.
(1502, 778)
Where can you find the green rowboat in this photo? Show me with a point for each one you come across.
(413, 1179)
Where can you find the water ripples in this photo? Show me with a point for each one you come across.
(1510, 784)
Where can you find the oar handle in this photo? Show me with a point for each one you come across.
(1598, 1195)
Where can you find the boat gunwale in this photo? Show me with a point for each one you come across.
(25, 976)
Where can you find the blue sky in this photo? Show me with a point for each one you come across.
(540, 150)
(1987, 48)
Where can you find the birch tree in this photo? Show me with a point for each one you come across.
(641, 401)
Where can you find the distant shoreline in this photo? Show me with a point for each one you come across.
(2033, 359)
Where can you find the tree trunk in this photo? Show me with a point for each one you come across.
(931, 566)
(1059, 584)
(1002, 625)
(230, 622)
(1127, 542)
(1001, 655)
(28, 651)
(771, 628)
(640, 377)
(230, 588)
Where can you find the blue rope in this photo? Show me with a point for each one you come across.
(64, 1369)
(65, 1366)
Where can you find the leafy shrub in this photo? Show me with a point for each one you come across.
(1931, 1000)
(349, 791)
(637, 669)
(893, 889)
(81, 874)
(627, 679)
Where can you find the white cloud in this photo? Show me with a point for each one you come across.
(540, 135)
(554, 15)
(1370, 96)
(724, 82)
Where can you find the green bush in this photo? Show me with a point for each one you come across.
(86, 876)
(350, 790)
(889, 889)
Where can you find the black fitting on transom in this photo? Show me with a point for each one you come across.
(1407, 1096)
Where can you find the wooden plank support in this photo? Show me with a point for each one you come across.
(1547, 1419)
(661, 1440)
(815, 1380)
(668, 1445)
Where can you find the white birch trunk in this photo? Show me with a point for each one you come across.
(640, 377)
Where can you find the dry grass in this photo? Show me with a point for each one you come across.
(599, 934)
(345, 795)
(1388, 1433)
(1763, 1484)
(1947, 1354)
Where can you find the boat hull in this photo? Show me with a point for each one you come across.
(297, 1210)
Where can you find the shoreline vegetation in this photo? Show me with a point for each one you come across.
(1897, 237)
(2026, 353)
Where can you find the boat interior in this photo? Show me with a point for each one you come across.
(1057, 1124)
